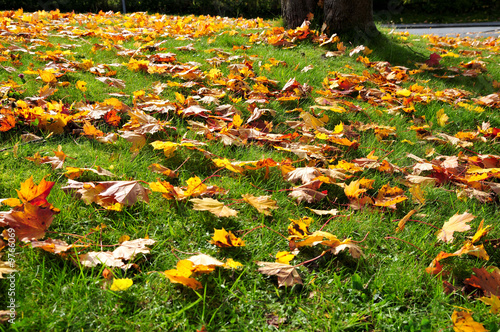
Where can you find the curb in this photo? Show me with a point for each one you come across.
(441, 25)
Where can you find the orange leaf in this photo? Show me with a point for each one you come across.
(35, 194)
(30, 221)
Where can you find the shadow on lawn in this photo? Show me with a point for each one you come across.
(397, 54)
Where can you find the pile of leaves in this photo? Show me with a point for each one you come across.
(320, 140)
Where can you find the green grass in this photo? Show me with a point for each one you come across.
(387, 290)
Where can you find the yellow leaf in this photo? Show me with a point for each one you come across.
(121, 284)
(463, 322)
(81, 85)
(47, 76)
(213, 206)
(441, 117)
(12, 202)
(180, 98)
(227, 164)
(417, 193)
(494, 302)
(182, 273)
(480, 232)
(195, 187)
(168, 147)
(284, 257)
(262, 203)
(299, 228)
(338, 128)
(237, 120)
(352, 190)
(403, 92)
(232, 264)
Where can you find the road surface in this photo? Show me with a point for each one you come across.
(484, 29)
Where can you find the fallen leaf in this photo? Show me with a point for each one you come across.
(262, 203)
(224, 239)
(121, 284)
(457, 223)
(463, 322)
(494, 302)
(287, 274)
(213, 206)
(489, 282)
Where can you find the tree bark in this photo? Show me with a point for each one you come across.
(350, 16)
(294, 12)
(340, 16)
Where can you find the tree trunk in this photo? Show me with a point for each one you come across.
(350, 16)
(294, 12)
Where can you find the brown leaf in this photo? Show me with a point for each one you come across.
(287, 274)
(308, 192)
(305, 174)
(486, 281)
(109, 193)
(52, 245)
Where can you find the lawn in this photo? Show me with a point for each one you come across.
(204, 173)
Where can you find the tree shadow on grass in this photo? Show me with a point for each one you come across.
(398, 54)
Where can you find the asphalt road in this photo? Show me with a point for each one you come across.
(484, 29)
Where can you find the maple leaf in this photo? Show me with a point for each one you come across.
(75, 172)
(284, 257)
(262, 203)
(224, 239)
(489, 282)
(92, 259)
(287, 274)
(81, 85)
(30, 221)
(181, 275)
(305, 174)
(109, 193)
(332, 212)
(213, 206)
(480, 232)
(463, 322)
(129, 249)
(137, 140)
(308, 192)
(157, 168)
(203, 260)
(35, 194)
(457, 223)
(54, 161)
(233, 167)
(126, 251)
(299, 228)
(353, 189)
(52, 245)
(493, 301)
